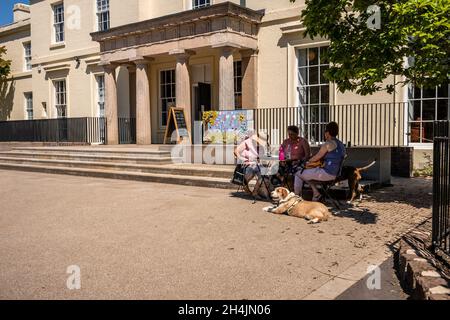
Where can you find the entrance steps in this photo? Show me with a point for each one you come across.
(141, 164)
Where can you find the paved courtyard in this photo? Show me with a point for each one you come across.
(135, 240)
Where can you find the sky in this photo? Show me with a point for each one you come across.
(6, 7)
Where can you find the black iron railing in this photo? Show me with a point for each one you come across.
(442, 128)
(441, 189)
(76, 130)
(441, 196)
(127, 130)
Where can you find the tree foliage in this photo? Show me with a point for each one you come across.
(416, 31)
(5, 65)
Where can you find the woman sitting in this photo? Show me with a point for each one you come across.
(294, 148)
(330, 155)
(247, 153)
(293, 151)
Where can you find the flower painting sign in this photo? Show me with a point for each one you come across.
(227, 127)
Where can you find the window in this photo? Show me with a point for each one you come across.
(427, 106)
(61, 98)
(103, 15)
(238, 84)
(27, 55)
(196, 4)
(314, 91)
(58, 22)
(101, 95)
(243, 3)
(167, 93)
(29, 105)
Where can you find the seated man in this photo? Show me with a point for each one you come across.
(293, 151)
(247, 153)
(332, 153)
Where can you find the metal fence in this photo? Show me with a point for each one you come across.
(375, 124)
(441, 189)
(127, 130)
(441, 195)
(442, 128)
(77, 130)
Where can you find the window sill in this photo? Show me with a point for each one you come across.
(55, 46)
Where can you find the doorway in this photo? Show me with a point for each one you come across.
(202, 103)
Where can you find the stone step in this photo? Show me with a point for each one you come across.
(207, 182)
(173, 169)
(133, 152)
(124, 158)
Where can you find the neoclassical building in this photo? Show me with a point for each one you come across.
(134, 59)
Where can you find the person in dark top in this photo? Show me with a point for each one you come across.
(331, 154)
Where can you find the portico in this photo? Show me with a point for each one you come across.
(209, 39)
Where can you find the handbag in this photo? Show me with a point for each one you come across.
(239, 175)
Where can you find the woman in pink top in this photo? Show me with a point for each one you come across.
(247, 153)
(295, 148)
(292, 152)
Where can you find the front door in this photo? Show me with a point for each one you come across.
(202, 102)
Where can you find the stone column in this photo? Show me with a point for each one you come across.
(112, 122)
(226, 79)
(183, 82)
(250, 79)
(143, 116)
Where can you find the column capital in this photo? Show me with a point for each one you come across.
(182, 55)
(176, 52)
(227, 48)
(108, 66)
(140, 60)
(246, 53)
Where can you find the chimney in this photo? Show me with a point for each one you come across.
(21, 12)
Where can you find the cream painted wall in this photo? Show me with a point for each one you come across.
(80, 21)
(279, 38)
(12, 93)
(128, 11)
(58, 61)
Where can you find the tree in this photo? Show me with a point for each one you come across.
(416, 31)
(5, 65)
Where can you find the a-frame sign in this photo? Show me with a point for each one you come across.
(177, 123)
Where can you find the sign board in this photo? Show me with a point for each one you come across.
(177, 123)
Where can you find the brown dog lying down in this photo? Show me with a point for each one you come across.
(295, 206)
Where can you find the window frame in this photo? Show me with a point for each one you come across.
(311, 118)
(237, 79)
(29, 110)
(27, 56)
(422, 123)
(59, 35)
(198, 4)
(58, 104)
(100, 85)
(161, 98)
(102, 11)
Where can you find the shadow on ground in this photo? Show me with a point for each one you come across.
(414, 193)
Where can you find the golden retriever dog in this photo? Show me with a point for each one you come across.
(295, 206)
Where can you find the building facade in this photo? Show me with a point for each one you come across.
(136, 58)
